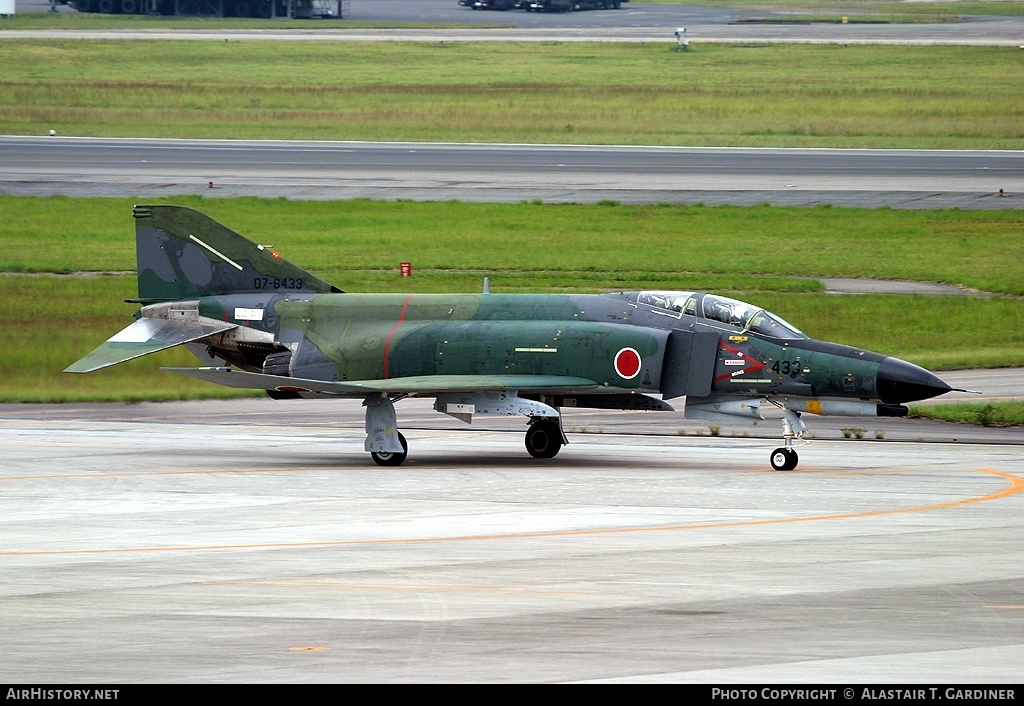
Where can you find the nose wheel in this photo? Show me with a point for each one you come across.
(784, 459)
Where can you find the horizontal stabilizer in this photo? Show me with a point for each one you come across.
(425, 385)
(143, 337)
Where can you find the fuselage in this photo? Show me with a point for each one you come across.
(629, 341)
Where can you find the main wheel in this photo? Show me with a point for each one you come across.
(784, 459)
(388, 458)
(107, 7)
(129, 7)
(543, 440)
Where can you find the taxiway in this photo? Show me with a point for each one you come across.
(254, 541)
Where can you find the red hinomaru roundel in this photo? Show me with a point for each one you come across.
(627, 363)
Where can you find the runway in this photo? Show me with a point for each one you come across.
(254, 541)
(633, 22)
(81, 167)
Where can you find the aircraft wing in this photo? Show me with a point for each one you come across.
(424, 385)
(143, 337)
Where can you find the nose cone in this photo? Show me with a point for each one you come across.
(899, 381)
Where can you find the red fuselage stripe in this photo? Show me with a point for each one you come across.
(387, 341)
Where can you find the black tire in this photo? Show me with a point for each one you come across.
(784, 459)
(83, 5)
(392, 459)
(793, 460)
(107, 7)
(543, 440)
(129, 7)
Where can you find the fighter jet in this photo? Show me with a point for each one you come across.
(260, 322)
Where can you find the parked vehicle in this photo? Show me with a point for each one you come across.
(299, 9)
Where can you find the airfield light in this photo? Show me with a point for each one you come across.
(684, 44)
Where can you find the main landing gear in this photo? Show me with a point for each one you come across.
(388, 447)
(544, 438)
(785, 458)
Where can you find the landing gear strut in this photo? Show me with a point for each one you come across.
(544, 438)
(785, 458)
(387, 445)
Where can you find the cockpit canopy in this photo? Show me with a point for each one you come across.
(722, 309)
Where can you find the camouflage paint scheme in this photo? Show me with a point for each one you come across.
(263, 323)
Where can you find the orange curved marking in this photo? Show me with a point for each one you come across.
(1016, 486)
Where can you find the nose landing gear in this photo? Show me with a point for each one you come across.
(785, 458)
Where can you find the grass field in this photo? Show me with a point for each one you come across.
(776, 95)
(358, 245)
(614, 246)
(999, 414)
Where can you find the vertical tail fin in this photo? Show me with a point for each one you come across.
(183, 254)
